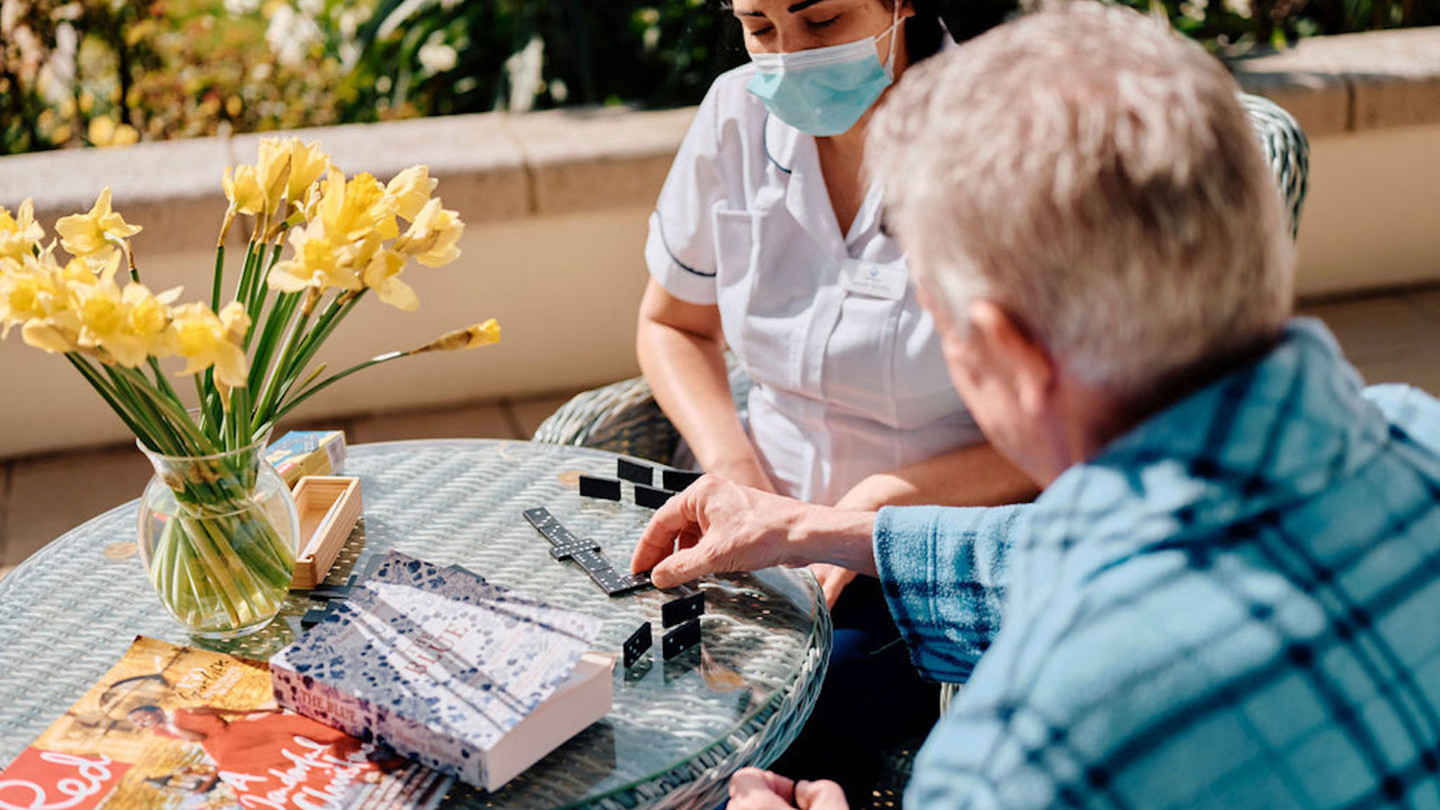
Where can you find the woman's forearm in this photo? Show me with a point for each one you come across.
(970, 476)
(686, 371)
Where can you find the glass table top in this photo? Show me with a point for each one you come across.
(677, 728)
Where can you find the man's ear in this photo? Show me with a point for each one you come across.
(1014, 354)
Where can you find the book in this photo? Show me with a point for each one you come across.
(177, 727)
(463, 676)
(307, 452)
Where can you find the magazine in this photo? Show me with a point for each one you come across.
(177, 727)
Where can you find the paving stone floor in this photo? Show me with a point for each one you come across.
(1389, 337)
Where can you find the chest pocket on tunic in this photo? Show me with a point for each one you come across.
(779, 316)
(734, 231)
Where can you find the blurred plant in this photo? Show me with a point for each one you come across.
(104, 72)
(101, 73)
(444, 56)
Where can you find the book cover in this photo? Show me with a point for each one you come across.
(447, 669)
(177, 727)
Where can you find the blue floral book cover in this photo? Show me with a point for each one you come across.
(437, 663)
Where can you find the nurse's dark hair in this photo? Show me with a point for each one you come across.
(964, 20)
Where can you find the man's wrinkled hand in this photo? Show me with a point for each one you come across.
(716, 525)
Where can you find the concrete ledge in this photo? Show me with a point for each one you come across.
(1353, 82)
(493, 167)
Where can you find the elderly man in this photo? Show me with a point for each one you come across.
(1228, 594)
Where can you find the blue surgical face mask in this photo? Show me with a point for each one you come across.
(824, 91)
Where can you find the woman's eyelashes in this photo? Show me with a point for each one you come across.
(764, 31)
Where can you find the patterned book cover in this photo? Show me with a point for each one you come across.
(435, 661)
(176, 727)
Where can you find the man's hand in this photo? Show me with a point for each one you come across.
(754, 789)
(717, 525)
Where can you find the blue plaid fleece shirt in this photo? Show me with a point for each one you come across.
(1234, 605)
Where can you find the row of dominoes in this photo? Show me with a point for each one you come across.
(643, 477)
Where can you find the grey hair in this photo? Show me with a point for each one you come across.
(1094, 174)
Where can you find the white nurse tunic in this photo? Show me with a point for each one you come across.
(847, 370)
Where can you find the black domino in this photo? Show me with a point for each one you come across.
(650, 496)
(313, 617)
(639, 642)
(683, 609)
(607, 488)
(569, 550)
(680, 639)
(634, 473)
(328, 592)
(678, 480)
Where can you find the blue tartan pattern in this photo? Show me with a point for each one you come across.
(1236, 604)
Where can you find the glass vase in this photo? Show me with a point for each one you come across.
(218, 537)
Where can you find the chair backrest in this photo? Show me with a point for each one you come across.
(1286, 149)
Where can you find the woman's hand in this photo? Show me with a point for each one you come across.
(833, 580)
(754, 789)
(743, 468)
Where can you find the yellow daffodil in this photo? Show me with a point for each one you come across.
(432, 236)
(124, 327)
(89, 270)
(382, 274)
(96, 231)
(19, 234)
(205, 339)
(410, 190)
(308, 163)
(471, 337)
(244, 191)
(273, 172)
(352, 210)
(50, 335)
(316, 262)
(28, 291)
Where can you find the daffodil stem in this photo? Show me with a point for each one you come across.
(280, 371)
(280, 314)
(160, 380)
(334, 378)
(107, 393)
(218, 278)
(334, 313)
(158, 432)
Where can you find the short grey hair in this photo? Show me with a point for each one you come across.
(1094, 174)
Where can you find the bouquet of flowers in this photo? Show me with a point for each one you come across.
(220, 554)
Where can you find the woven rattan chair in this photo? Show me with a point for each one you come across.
(622, 417)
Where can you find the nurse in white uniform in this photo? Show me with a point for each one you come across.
(766, 239)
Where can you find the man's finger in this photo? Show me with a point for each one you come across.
(681, 567)
(677, 516)
(822, 795)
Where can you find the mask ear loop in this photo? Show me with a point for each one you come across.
(894, 23)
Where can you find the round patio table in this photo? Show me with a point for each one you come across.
(677, 728)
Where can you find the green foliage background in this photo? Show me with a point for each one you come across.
(108, 72)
